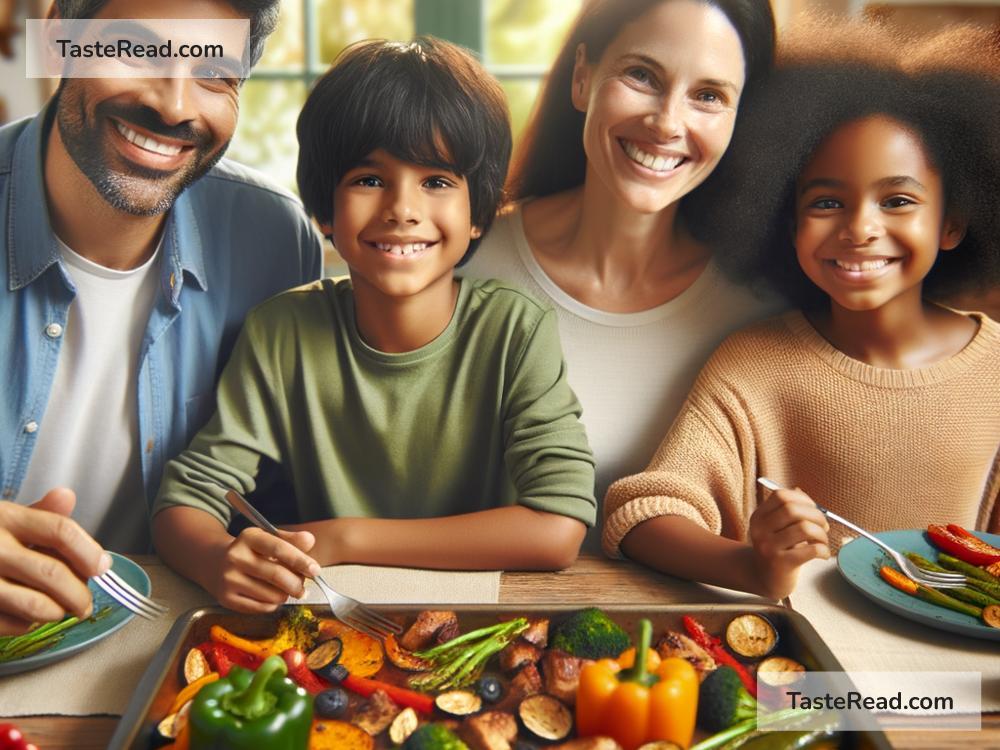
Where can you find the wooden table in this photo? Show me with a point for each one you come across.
(591, 580)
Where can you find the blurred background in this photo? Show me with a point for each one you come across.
(516, 39)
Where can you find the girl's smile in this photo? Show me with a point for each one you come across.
(870, 215)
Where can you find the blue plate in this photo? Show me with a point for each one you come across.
(859, 561)
(86, 634)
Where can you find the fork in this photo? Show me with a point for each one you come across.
(925, 577)
(122, 592)
(349, 611)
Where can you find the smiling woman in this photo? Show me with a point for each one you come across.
(638, 109)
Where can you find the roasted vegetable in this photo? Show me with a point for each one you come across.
(323, 659)
(339, 735)
(460, 661)
(222, 657)
(545, 717)
(976, 577)
(778, 671)
(991, 615)
(724, 700)
(718, 652)
(401, 657)
(300, 674)
(590, 634)
(366, 687)
(459, 702)
(751, 636)
(634, 706)
(260, 710)
(434, 737)
(963, 593)
(405, 723)
(958, 542)
(41, 637)
(361, 654)
(899, 581)
(680, 646)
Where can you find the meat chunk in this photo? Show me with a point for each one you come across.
(679, 645)
(492, 730)
(537, 632)
(515, 655)
(377, 714)
(561, 673)
(430, 628)
(526, 682)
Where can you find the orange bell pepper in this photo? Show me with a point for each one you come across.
(635, 706)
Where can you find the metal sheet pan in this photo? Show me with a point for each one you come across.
(163, 679)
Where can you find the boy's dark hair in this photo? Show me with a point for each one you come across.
(745, 211)
(263, 18)
(428, 102)
(551, 158)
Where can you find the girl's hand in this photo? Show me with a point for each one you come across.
(260, 571)
(786, 531)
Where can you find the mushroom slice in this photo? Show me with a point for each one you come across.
(403, 726)
(492, 730)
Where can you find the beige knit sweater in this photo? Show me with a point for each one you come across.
(886, 449)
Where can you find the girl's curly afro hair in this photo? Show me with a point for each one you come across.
(946, 89)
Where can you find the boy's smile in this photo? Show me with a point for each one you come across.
(401, 227)
(870, 215)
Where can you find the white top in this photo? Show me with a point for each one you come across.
(88, 439)
(631, 371)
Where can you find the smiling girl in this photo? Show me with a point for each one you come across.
(873, 191)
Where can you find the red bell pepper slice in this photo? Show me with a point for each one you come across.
(402, 696)
(222, 657)
(718, 652)
(959, 543)
(299, 673)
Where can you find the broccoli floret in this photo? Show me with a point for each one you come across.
(723, 701)
(590, 634)
(434, 737)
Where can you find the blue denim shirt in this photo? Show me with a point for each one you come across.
(231, 240)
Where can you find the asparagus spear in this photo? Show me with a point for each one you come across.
(897, 580)
(965, 593)
(977, 577)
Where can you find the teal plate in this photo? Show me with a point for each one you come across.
(86, 634)
(858, 562)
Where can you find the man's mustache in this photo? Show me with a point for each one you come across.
(149, 119)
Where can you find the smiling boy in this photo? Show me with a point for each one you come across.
(422, 420)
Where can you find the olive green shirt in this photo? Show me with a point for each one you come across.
(480, 417)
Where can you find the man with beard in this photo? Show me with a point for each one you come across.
(131, 254)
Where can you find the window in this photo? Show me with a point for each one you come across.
(516, 39)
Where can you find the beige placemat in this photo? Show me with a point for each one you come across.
(868, 638)
(101, 679)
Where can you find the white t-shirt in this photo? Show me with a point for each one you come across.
(630, 371)
(88, 438)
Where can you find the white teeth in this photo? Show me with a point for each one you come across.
(651, 161)
(865, 265)
(408, 249)
(147, 143)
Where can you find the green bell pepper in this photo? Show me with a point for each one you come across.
(261, 710)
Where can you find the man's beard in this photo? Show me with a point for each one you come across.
(130, 188)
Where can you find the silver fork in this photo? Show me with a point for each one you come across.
(122, 592)
(349, 611)
(926, 577)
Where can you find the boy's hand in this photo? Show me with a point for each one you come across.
(260, 571)
(786, 531)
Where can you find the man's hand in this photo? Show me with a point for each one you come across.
(786, 531)
(45, 561)
(260, 571)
